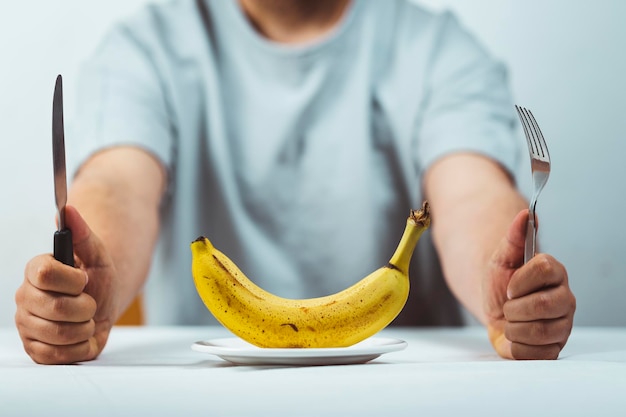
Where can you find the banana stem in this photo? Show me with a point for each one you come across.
(416, 224)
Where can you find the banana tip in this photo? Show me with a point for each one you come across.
(201, 244)
(421, 216)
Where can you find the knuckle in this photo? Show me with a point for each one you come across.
(572, 302)
(544, 265)
(55, 355)
(564, 331)
(543, 303)
(41, 354)
(19, 319)
(93, 307)
(89, 306)
(30, 350)
(539, 331)
(552, 352)
(63, 333)
(59, 306)
(44, 276)
(19, 295)
(72, 333)
(90, 328)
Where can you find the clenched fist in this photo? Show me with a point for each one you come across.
(529, 307)
(65, 314)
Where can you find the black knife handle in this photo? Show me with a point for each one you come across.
(63, 247)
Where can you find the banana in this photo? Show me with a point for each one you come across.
(338, 320)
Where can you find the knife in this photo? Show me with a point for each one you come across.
(63, 246)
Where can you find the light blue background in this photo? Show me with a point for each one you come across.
(567, 64)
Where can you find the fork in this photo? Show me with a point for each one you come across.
(540, 168)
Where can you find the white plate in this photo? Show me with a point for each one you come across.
(238, 351)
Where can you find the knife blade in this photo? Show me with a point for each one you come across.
(63, 246)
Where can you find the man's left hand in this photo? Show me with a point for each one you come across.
(529, 307)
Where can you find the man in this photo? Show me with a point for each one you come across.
(296, 135)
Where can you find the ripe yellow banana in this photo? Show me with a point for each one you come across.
(338, 320)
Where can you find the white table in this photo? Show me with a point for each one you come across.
(151, 371)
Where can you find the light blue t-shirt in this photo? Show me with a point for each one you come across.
(299, 162)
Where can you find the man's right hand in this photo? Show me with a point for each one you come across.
(64, 314)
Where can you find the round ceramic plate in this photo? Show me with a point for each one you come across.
(237, 351)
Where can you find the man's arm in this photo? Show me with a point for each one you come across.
(118, 192)
(473, 202)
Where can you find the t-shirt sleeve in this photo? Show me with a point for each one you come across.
(120, 101)
(468, 106)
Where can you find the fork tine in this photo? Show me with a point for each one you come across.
(532, 130)
(542, 142)
(526, 125)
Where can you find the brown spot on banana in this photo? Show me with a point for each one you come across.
(392, 266)
(232, 278)
(293, 326)
(217, 260)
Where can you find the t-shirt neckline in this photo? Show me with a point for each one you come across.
(243, 25)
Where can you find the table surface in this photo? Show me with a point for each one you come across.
(152, 371)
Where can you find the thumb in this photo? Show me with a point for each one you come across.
(87, 246)
(510, 252)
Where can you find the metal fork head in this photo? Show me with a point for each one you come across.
(536, 143)
(538, 150)
(540, 168)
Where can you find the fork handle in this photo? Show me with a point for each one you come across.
(531, 239)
